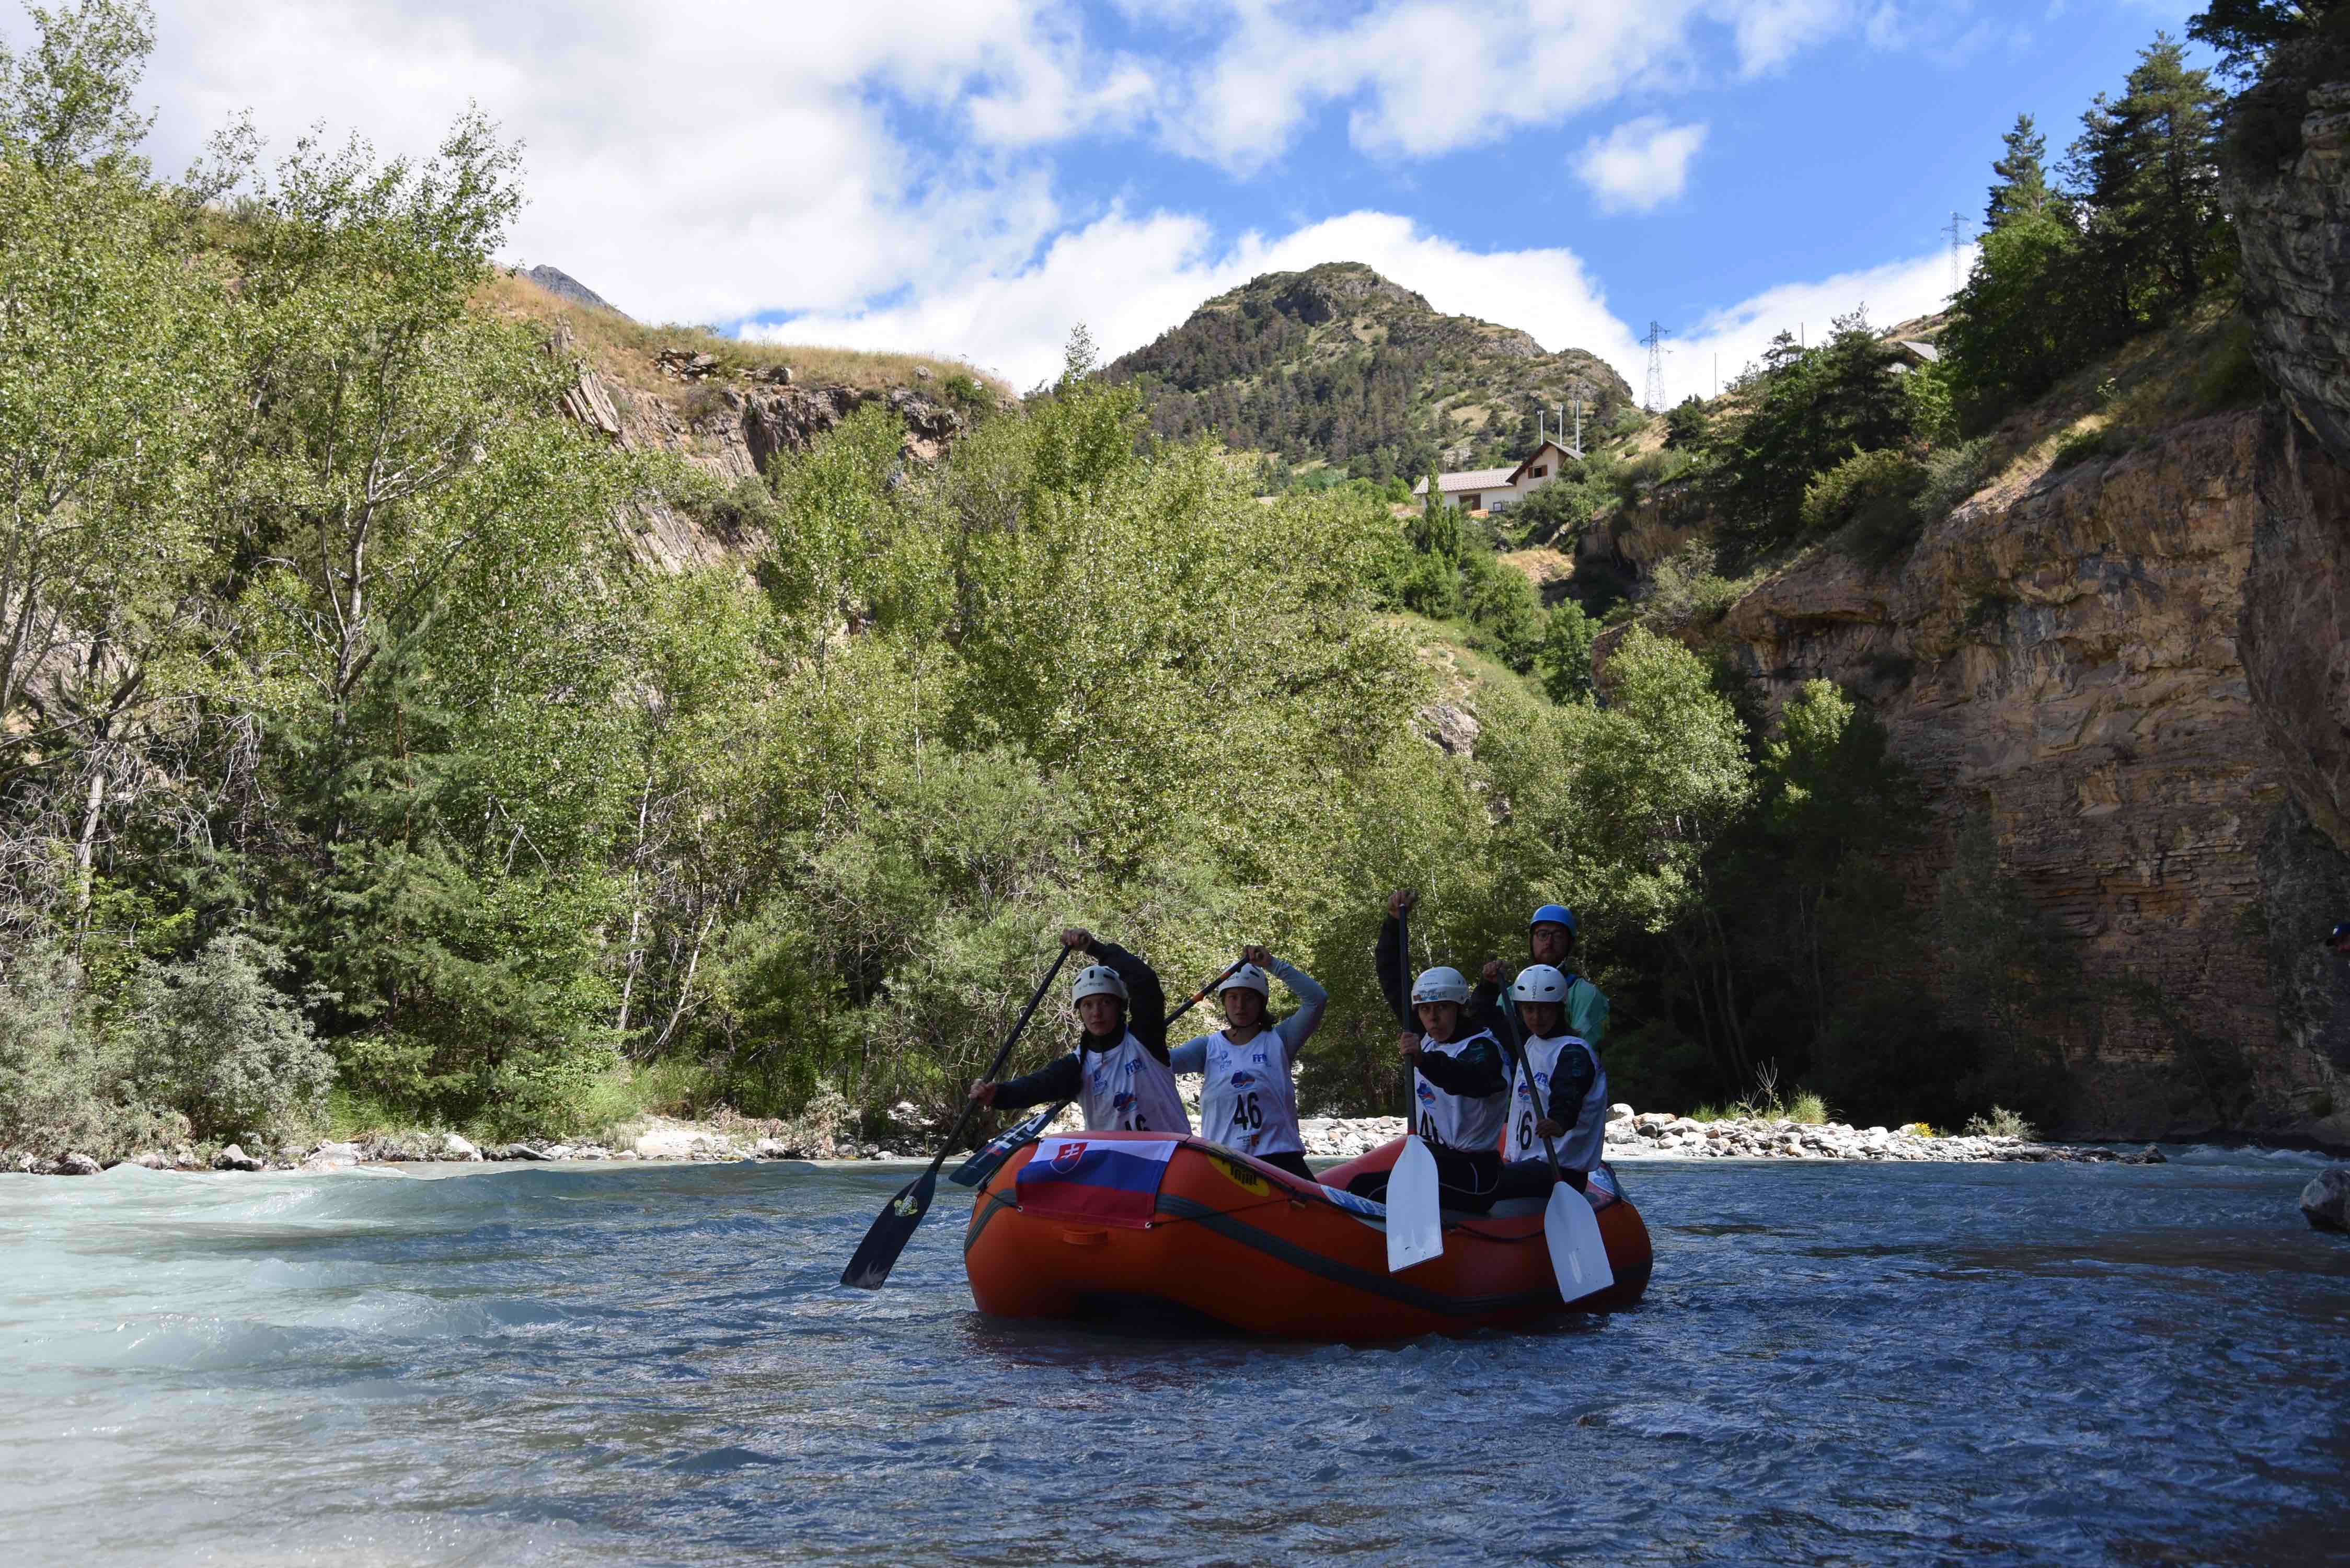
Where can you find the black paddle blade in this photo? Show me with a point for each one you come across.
(892, 1229)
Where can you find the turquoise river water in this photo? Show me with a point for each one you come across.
(1837, 1364)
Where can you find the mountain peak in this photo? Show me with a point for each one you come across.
(1339, 364)
(563, 286)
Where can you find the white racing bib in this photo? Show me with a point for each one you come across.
(1452, 1121)
(1127, 1089)
(1247, 1100)
(1582, 1145)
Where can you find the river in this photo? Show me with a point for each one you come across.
(1836, 1363)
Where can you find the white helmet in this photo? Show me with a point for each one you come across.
(1248, 977)
(1440, 984)
(1539, 983)
(1097, 980)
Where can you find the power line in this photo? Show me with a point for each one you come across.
(1957, 229)
(1655, 402)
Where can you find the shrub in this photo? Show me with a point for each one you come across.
(2002, 1123)
(2231, 378)
(1870, 488)
(1807, 1109)
(2082, 446)
(53, 1088)
(1952, 474)
(212, 1037)
(1688, 589)
(964, 391)
(1686, 422)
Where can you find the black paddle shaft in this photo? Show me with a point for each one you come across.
(1518, 1064)
(1003, 1054)
(1411, 1073)
(868, 1267)
(980, 1166)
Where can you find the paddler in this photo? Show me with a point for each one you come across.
(1248, 1091)
(1457, 1085)
(1558, 1089)
(1550, 939)
(1118, 1073)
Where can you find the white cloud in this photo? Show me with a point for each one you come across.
(1733, 338)
(1430, 77)
(701, 168)
(884, 171)
(1128, 278)
(1641, 165)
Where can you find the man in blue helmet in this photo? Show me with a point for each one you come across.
(1550, 939)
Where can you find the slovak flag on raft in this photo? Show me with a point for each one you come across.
(1111, 1182)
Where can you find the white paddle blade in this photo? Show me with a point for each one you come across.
(1577, 1253)
(1414, 1221)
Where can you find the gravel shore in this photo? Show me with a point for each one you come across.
(1649, 1135)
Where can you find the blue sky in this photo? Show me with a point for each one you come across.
(976, 177)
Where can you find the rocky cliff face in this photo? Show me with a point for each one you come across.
(732, 432)
(2064, 661)
(2294, 223)
(2138, 671)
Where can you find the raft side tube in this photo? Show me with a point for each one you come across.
(1263, 1252)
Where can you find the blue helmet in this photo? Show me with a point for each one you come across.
(1554, 915)
(2339, 932)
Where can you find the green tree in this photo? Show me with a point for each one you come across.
(1686, 422)
(2033, 310)
(1814, 412)
(2022, 190)
(115, 363)
(2145, 166)
(69, 103)
(2246, 32)
(1564, 657)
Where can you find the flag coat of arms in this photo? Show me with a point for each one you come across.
(1110, 1182)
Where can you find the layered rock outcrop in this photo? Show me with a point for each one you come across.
(731, 433)
(2064, 662)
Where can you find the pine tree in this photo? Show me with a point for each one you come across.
(2147, 166)
(2022, 190)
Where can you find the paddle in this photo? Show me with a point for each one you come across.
(894, 1225)
(1415, 1216)
(991, 1156)
(1578, 1255)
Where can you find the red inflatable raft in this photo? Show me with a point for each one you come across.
(1076, 1226)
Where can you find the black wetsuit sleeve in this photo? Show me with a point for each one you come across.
(1473, 1073)
(1485, 1009)
(1145, 998)
(1388, 958)
(1057, 1081)
(1569, 1082)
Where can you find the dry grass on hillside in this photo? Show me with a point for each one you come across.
(2200, 364)
(624, 351)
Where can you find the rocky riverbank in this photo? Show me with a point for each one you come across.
(1650, 1135)
(1656, 1134)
